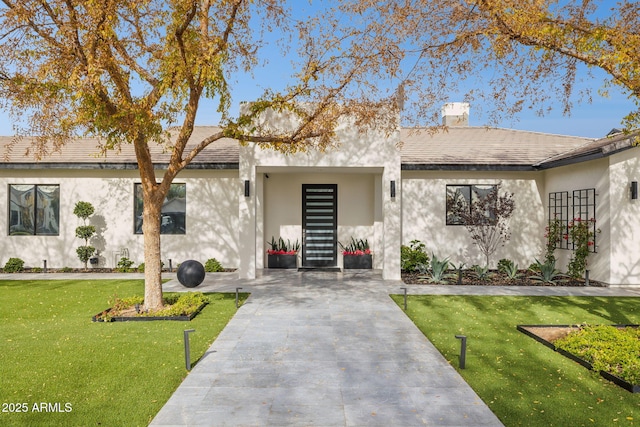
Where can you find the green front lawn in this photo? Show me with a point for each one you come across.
(59, 368)
(523, 382)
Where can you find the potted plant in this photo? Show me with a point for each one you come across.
(282, 254)
(357, 255)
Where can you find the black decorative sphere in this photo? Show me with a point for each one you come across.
(190, 273)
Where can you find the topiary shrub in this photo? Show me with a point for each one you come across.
(14, 265)
(213, 266)
(84, 210)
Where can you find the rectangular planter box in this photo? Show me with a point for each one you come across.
(282, 261)
(362, 262)
(98, 317)
(633, 388)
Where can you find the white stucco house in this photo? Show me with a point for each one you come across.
(388, 189)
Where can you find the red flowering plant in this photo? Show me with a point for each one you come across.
(582, 233)
(553, 234)
(281, 247)
(356, 247)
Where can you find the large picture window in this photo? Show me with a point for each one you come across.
(34, 210)
(461, 197)
(174, 208)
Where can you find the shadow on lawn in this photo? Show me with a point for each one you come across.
(523, 382)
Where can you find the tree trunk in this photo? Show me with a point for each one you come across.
(152, 263)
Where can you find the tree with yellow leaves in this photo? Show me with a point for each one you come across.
(516, 54)
(135, 72)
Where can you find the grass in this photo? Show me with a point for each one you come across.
(86, 373)
(523, 382)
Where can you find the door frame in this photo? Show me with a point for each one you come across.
(331, 240)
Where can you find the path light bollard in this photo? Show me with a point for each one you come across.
(405, 298)
(586, 277)
(463, 350)
(44, 270)
(170, 266)
(187, 350)
(237, 289)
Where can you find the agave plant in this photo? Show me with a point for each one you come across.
(482, 273)
(435, 271)
(547, 272)
(509, 268)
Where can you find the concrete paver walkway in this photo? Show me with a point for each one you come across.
(322, 349)
(326, 349)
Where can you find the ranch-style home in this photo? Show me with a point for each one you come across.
(388, 189)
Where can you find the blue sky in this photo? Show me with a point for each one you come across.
(592, 120)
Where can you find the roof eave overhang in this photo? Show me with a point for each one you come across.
(113, 166)
(585, 157)
(465, 167)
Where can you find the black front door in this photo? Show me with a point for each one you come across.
(319, 225)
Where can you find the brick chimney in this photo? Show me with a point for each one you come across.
(455, 114)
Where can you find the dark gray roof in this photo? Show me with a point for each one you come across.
(454, 148)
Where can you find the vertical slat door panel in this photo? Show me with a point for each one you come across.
(319, 225)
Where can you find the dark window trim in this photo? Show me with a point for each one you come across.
(135, 224)
(35, 210)
(471, 198)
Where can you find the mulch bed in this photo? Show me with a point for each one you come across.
(497, 279)
(98, 270)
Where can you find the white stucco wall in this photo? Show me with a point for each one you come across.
(211, 218)
(624, 232)
(591, 174)
(356, 207)
(373, 159)
(424, 216)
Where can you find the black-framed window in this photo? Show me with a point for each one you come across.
(174, 209)
(34, 209)
(461, 197)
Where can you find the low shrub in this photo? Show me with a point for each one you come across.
(124, 265)
(213, 266)
(504, 264)
(14, 265)
(412, 256)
